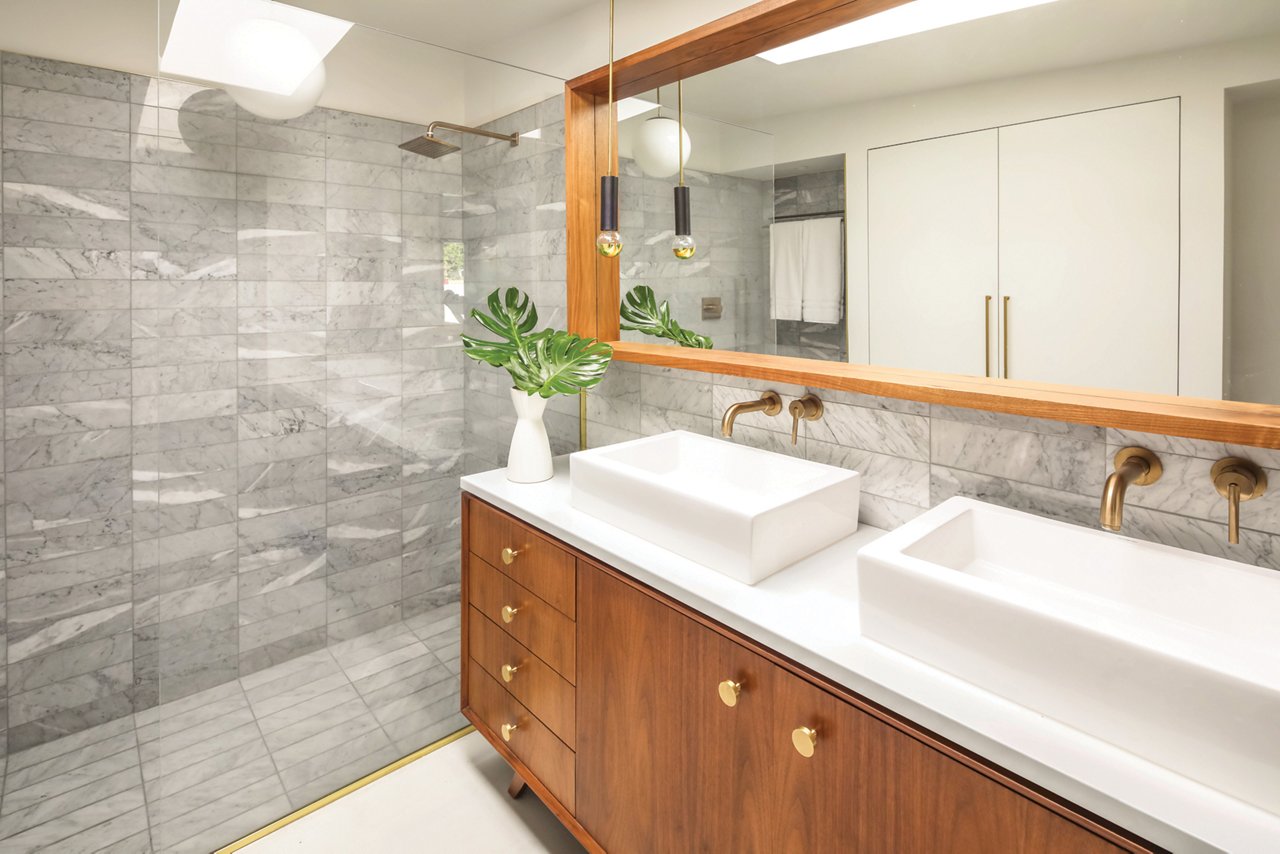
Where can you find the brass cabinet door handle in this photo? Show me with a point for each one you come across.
(986, 334)
(509, 672)
(507, 729)
(1006, 337)
(804, 739)
(729, 692)
(509, 555)
(509, 613)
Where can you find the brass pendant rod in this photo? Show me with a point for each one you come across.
(613, 115)
(680, 125)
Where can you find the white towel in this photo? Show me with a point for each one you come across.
(823, 269)
(786, 270)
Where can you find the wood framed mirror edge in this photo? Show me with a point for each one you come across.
(593, 282)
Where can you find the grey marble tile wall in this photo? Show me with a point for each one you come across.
(805, 195)
(810, 193)
(730, 222)
(513, 224)
(232, 387)
(915, 455)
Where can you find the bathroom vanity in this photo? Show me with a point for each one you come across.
(656, 705)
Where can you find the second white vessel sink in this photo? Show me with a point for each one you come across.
(741, 511)
(1169, 654)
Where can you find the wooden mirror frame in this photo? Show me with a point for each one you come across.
(593, 281)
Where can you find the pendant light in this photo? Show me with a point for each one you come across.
(682, 245)
(608, 241)
(661, 146)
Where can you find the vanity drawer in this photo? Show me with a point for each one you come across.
(546, 632)
(543, 691)
(522, 553)
(548, 758)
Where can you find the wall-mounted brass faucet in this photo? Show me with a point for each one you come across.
(1136, 466)
(1237, 480)
(809, 408)
(770, 403)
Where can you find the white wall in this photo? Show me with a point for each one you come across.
(1253, 295)
(1199, 77)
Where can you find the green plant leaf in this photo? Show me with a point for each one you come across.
(512, 317)
(641, 312)
(560, 363)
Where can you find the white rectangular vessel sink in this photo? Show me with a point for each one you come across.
(741, 511)
(1171, 655)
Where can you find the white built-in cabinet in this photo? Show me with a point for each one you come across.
(1044, 251)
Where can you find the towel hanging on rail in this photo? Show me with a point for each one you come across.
(806, 269)
(786, 270)
(823, 270)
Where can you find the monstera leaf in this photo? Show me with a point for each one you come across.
(547, 362)
(641, 313)
(512, 317)
(560, 363)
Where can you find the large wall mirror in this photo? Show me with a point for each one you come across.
(1082, 193)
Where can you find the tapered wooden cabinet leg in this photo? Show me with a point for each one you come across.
(517, 787)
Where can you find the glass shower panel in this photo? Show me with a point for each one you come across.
(301, 415)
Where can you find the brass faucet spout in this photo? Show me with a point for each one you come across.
(770, 403)
(1136, 466)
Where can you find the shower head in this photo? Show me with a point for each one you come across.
(430, 145)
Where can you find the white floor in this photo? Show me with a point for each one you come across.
(453, 800)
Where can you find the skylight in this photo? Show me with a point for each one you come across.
(254, 44)
(908, 19)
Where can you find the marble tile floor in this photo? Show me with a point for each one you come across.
(203, 771)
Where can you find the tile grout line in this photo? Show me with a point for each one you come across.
(257, 725)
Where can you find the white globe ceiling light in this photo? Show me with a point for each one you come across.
(268, 105)
(657, 147)
(273, 53)
(276, 56)
(250, 44)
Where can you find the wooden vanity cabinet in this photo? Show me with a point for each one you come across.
(661, 763)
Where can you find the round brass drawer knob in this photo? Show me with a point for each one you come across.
(729, 691)
(509, 556)
(804, 740)
(509, 613)
(509, 672)
(507, 729)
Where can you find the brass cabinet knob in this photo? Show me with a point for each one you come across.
(509, 672)
(509, 556)
(509, 613)
(507, 729)
(804, 739)
(729, 691)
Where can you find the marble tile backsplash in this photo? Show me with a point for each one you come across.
(233, 406)
(915, 455)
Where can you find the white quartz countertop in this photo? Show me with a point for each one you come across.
(809, 613)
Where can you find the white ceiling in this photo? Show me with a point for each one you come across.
(1064, 34)
(395, 63)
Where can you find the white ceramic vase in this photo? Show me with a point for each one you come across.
(530, 457)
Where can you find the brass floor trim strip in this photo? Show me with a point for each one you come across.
(344, 791)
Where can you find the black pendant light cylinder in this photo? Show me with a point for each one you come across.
(608, 202)
(682, 210)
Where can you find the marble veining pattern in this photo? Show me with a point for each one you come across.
(232, 388)
(196, 773)
(913, 456)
